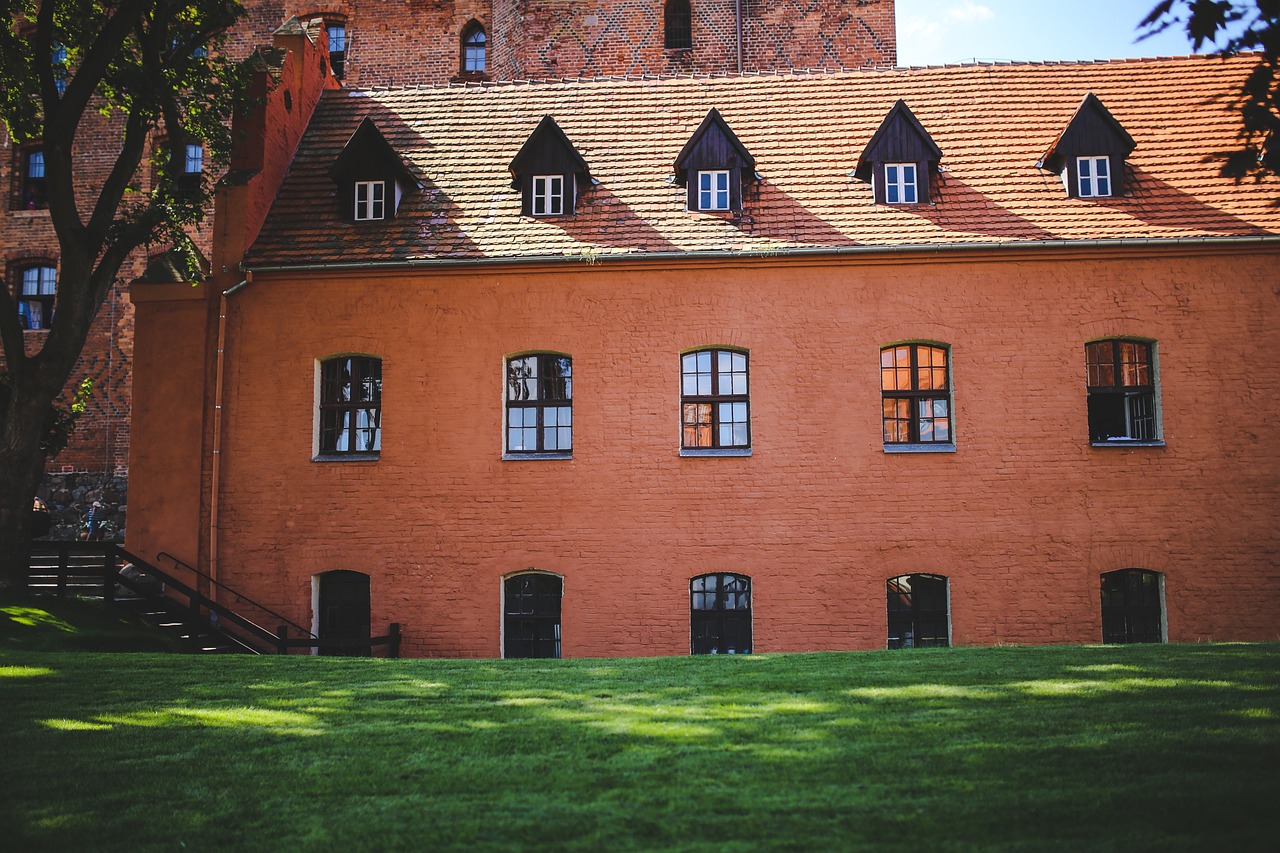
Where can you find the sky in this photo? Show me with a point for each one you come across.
(938, 32)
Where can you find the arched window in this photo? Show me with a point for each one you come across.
(540, 404)
(720, 614)
(715, 409)
(343, 611)
(1122, 391)
(474, 45)
(915, 387)
(37, 288)
(918, 611)
(531, 615)
(337, 31)
(350, 405)
(1132, 607)
(678, 21)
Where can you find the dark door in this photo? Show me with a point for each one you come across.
(720, 614)
(344, 610)
(531, 616)
(1131, 610)
(917, 611)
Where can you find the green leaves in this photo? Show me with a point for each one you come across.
(1241, 27)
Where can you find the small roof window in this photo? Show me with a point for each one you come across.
(372, 178)
(1090, 152)
(714, 165)
(900, 160)
(548, 170)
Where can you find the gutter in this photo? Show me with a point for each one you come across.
(763, 254)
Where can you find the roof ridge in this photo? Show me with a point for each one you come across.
(788, 72)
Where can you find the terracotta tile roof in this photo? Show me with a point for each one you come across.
(992, 122)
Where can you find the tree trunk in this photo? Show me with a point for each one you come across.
(22, 427)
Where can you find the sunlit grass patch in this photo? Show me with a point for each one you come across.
(24, 671)
(1086, 748)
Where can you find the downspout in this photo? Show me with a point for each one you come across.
(216, 463)
(738, 16)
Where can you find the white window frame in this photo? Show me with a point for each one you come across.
(37, 296)
(1097, 183)
(895, 181)
(713, 190)
(548, 195)
(193, 159)
(370, 200)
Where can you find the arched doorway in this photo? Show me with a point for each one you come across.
(342, 610)
(720, 614)
(1132, 607)
(531, 615)
(918, 611)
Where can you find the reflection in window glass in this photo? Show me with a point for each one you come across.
(350, 405)
(540, 404)
(915, 392)
(1122, 393)
(714, 402)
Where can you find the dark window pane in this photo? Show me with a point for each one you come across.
(531, 616)
(917, 611)
(1131, 610)
(350, 405)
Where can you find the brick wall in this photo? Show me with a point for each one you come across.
(1022, 518)
(418, 42)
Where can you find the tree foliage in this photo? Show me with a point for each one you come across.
(1235, 27)
(101, 81)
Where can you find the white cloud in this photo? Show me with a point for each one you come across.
(969, 12)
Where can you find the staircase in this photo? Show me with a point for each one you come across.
(166, 599)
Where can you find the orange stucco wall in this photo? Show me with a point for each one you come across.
(1022, 518)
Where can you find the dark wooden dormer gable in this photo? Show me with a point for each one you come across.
(365, 162)
(548, 171)
(713, 150)
(900, 142)
(1092, 134)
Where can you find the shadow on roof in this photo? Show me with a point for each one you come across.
(1153, 201)
(961, 208)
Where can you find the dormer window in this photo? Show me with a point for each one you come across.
(371, 200)
(900, 159)
(1094, 174)
(548, 195)
(900, 183)
(713, 190)
(372, 178)
(548, 171)
(713, 166)
(1090, 152)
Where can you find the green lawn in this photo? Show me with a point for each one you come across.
(1068, 748)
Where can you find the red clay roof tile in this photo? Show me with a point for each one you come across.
(992, 122)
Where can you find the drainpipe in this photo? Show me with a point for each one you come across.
(216, 464)
(738, 14)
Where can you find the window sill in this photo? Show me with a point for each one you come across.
(920, 448)
(715, 451)
(28, 212)
(1124, 442)
(535, 457)
(347, 457)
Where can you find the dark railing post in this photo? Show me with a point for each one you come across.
(393, 634)
(283, 634)
(109, 575)
(64, 566)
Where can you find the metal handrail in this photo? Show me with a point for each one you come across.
(239, 595)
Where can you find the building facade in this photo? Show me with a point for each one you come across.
(777, 362)
(398, 44)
